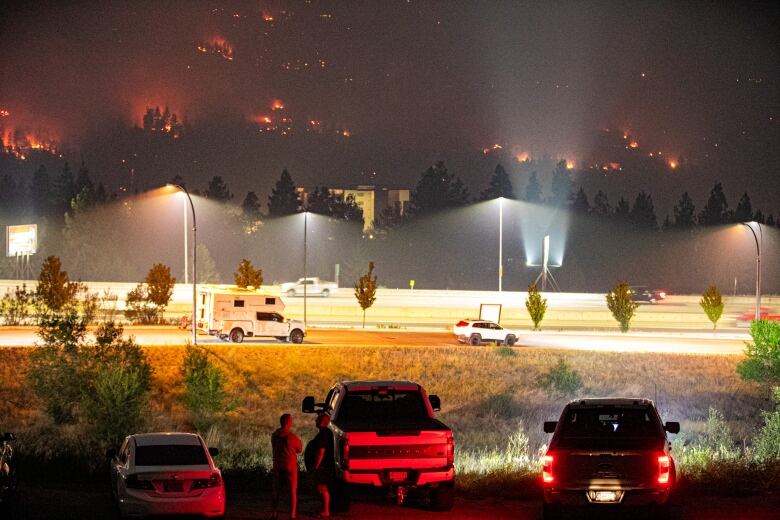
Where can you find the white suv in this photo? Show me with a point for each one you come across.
(474, 332)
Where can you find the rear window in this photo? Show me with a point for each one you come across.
(377, 407)
(610, 422)
(170, 455)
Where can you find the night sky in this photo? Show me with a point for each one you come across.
(690, 80)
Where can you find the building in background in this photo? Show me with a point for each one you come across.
(373, 200)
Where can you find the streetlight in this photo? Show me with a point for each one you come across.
(305, 235)
(194, 261)
(186, 249)
(500, 242)
(758, 262)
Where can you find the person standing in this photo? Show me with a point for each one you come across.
(285, 446)
(324, 462)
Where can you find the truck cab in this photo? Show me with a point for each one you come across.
(264, 324)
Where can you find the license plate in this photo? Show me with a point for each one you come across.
(173, 487)
(396, 476)
(605, 496)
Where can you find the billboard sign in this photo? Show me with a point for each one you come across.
(21, 240)
(490, 312)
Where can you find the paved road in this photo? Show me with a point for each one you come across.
(669, 341)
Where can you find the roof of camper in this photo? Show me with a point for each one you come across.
(233, 290)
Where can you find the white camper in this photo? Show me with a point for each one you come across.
(233, 313)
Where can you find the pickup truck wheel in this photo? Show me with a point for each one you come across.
(442, 498)
(291, 293)
(296, 336)
(340, 499)
(325, 293)
(510, 341)
(236, 335)
(475, 340)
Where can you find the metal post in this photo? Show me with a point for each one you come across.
(186, 249)
(305, 234)
(758, 266)
(194, 264)
(500, 243)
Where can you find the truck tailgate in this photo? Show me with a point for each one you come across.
(576, 469)
(407, 450)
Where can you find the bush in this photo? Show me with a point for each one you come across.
(561, 379)
(763, 354)
(204, 395)
(55, 290)
(115, 402)
(717, 435)
(712, 303)
(89, 305)
(159, 285)
(767, 443)
(536, 305)
(138, 308)
(247, 275)
(15, 305)
(620, 302)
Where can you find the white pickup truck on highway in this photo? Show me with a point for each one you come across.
(314, 286)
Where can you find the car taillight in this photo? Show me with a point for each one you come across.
(202, 483)
(133, 482)
(462, 323)
(547, 469)
(662, 295)
(664, 467)
(450, 451)
(345, 453)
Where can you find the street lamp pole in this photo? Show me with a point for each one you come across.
(500, 243)
(305, 236)
(194, 263)
(186, 249)
(758, 263)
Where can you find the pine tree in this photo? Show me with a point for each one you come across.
(500, 185)
(685, 212)
(622, 210)
(64, 190)
(247, 276)
(643, 212)
(437, 189)
(580, 203)
(533, 190)
(218, 190)
(601, 205)
(561, 185)
(284, 199)
(744, 211)
(250, 209)
(715, 212)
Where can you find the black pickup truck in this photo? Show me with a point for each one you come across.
(386, 436)
(608, 453)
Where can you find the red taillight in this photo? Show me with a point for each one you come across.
(202, 483)
(462, 323)
(664, 467)
(132, 482)
(450, 451)
(547, 469)
(345, 453)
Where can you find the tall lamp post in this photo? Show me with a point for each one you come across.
(759, 242)
(500, 243)
(194, 263)
(305, 236)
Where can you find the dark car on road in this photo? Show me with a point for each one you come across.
(643, 294)
(608, 453)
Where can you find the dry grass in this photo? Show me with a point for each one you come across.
(490, 396)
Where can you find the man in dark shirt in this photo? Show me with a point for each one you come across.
(324, 462)
(285, 446)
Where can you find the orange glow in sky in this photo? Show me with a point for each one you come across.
(277, 105)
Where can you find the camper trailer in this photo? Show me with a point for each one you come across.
(232, 313)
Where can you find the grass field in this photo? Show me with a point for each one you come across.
(490, 396)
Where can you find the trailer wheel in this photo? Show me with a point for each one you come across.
(296, 336)
(236, 335)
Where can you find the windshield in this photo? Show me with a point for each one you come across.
(170, 455)
(610, 422)
(383, 407)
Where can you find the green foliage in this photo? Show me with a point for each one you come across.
(716, 436)
(204, 395)
(620, 302)
(365, 290)
(762, 363)
(283, 199)
(767, 443)
(89, 305)
(138, 308)
(561, 379)
(536, 305)
(218, 190)
(500, 185)
(55, 290)
(436, 190)
(247, 275)
(15, 305)
(159, 284)
(712, 303)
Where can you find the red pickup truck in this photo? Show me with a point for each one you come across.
(386, 436)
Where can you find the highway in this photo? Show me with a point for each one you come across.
(667, 341)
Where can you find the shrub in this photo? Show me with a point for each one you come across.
(159, 285)
(89, 305)
(15, 305)
(138, 308)
(767, 443)
(536, 305)
(204, 395)
(561, 379)
(763, 354)
(55, 290)
(620, 302)
(247, 275)
(717, 434)
(108, 305)
(712, 303)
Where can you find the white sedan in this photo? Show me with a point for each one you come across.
(475, 332)
(166, 474)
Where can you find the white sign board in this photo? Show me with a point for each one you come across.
(490, 312)
(21, 240)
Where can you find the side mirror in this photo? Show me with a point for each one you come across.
(213, 452)
(307, 406)
(8, 437)
(549, 426)
(435, 402)
(110, 453)
(672, 427)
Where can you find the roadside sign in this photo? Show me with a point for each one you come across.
(490, 312)
(411, 284)
(21, 240)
